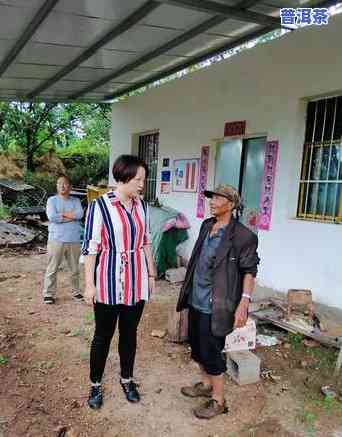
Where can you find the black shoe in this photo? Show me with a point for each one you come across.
(130, 390)
(78, 297)
(95, 399)
(49, 300)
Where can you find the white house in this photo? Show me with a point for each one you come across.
(288, 90)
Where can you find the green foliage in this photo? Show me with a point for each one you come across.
(82, 147)
(70, 129)
(311, 412)
(75, 332)
(30, 125)
(325, 358)
(295, 340)
(3, 360)
(90, 170)
(89, 318)
(5, 212)
(328, 404)
(86, 161)
(45, 184)
(309, 419)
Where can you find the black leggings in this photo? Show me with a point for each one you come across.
(106, 317)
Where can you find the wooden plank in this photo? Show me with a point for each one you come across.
(177, 328)
(321, 338)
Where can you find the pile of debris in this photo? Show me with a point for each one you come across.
(294, 314)
(29, 222)
(23, 231)
(297, 315)
(12, 235)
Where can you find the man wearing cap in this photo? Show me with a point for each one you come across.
(217, 289)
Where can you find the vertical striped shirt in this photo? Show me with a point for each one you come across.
(117, 237)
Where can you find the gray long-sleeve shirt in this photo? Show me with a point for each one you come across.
(61, 229)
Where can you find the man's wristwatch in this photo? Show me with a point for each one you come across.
(247, 296)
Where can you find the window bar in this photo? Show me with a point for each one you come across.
(320, 155)
(329, 160)
(146, 160)
(148, 151)
(300, 209)
(153, 190)
(156, 158)
(145, 138)
(142, 156)
(153, 172)
(338, 182)
(150, 163)
(152, 166)
(310, 162)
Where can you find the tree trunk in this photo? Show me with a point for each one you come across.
(29, 150)
(29, 160)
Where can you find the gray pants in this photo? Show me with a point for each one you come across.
(56, 253)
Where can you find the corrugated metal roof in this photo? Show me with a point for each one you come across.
(88, 50)
(15, 185)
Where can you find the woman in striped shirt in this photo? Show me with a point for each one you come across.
(119, 272)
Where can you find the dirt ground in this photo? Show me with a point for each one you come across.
(44, 374)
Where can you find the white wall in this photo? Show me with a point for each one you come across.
(266, 87)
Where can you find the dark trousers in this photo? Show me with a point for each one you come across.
(206, 348)
(106, 317)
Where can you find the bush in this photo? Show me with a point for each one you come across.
(5, 212)
(87, 170)
(86, 162)
(42, 181)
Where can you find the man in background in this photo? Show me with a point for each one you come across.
(64, 213)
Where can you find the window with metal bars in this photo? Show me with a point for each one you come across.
(148, 151)
(320, 190)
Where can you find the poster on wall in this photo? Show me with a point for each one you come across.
(166, 162)
(165, 187)
(185, 175)
(165, 176)
(165, 181)
(203, 178)
(267, 188)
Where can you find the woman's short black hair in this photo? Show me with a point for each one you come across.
(126, 167)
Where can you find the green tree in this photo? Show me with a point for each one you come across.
(31, 125)
(35, 126)
(91, 121)
(87, 154)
